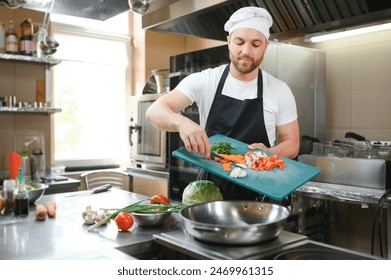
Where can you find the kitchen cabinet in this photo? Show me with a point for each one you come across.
(148, 182)
(46, 63)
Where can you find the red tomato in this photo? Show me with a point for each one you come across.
(159, 199)
(124, 221)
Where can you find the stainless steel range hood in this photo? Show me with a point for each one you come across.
(92, 9)
(206, 18)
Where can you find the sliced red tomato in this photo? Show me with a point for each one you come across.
(124, 221)
(159, 199)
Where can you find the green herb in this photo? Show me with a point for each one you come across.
(31, 186)
(139, 207)
(222, 148)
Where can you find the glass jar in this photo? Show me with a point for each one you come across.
(9, 188)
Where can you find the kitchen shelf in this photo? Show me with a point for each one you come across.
(46, 110)
(32, 59)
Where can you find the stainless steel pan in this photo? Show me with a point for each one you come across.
(234, 222)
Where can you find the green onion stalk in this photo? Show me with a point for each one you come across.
(138, 207)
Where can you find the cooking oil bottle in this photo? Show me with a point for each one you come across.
(21, 207)
(11, 39)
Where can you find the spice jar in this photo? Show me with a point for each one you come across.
(9, 188)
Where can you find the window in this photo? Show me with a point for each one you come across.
(90, 85)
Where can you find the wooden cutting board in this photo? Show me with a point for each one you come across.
(276, 184)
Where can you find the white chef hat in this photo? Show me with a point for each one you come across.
(250, 17)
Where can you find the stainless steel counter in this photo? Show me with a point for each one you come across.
(366, 197)
(68, 185)
(66, 236)
(351, 194)
(148, 173)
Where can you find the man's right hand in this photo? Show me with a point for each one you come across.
(194, 138)
(164, 114)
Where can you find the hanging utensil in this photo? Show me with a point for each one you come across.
(47, 44)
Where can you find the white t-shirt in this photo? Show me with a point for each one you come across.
(278, 101)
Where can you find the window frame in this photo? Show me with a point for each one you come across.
(93, 33)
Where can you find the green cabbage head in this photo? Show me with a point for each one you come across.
(201, 191)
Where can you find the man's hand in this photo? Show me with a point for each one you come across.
(194, 137)
(289, 145)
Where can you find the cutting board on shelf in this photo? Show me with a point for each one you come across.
(276, 184)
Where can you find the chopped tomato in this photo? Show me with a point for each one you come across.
(124, 221)
(159, 199)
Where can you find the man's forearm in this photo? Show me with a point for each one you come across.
(287, 148)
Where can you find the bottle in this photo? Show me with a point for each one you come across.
(11, 39)
(2, 38)
(26, 38)
(21, 207)
(9, 189)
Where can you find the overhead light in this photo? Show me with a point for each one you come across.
(321, 37)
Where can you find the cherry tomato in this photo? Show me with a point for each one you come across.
(159, 199)
(124, 221)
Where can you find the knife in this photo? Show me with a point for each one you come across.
(103, 188)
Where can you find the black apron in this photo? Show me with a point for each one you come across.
(241, 120)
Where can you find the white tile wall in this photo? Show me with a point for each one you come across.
(359, 86)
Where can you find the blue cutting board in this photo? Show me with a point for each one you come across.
(275, 183)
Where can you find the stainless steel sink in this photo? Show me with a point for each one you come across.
(151, 250)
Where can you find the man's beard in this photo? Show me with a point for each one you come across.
(248, 68)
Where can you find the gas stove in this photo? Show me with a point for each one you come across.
(286, 246)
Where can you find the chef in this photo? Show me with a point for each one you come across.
(238, 100)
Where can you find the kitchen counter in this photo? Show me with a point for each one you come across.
(67, 185)
(346, 193)
(66, 237)
(349, 194)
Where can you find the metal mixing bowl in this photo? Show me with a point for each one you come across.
(33, 194)
(37, 193)
(150, 220)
